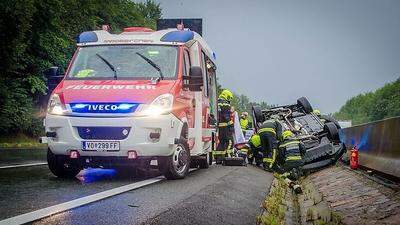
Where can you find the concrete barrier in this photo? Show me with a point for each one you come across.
(378, 144)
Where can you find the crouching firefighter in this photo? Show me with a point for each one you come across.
(224, 124)
(269, 132)
(290, 156)
(255, 150)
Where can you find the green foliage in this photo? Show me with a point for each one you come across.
(37, 34)
(372, 106)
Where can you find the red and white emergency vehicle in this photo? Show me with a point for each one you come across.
(127, 99)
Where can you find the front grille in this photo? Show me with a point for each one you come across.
(104, 133)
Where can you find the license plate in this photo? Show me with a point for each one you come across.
(100, 145)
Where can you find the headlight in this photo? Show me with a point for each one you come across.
(161, 105)
(55, 106)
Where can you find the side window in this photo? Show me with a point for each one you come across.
(186, 65)
(206, 78)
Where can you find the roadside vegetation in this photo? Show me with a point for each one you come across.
(37, 34)
(380, 104)
(274, 207)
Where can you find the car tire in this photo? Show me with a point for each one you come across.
(177, 165)
(58, 166)
(328, 118)
(258, 116)
(331, 129)
(305, 104)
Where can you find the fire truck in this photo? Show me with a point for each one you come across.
(132, 98)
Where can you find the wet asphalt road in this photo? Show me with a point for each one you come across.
(218, 195)
(22, 156)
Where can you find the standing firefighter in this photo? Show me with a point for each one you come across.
(244, 121)
(224, 123)
(269, 132)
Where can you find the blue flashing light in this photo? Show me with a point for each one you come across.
(104, 107)
(87, 36)
(178, 36)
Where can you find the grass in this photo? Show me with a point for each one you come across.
(20, 141)
(274, 206)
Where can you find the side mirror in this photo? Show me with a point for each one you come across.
(53, 77)
(195, 79)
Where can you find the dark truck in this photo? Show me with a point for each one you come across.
(320, 139)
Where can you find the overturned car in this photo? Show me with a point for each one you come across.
(318, 135)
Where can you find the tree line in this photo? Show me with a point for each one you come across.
(380, 104)
(37, 34)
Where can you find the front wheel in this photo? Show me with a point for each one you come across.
(177, 165)
(61, 167)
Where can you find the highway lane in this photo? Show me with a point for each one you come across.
(10, 157)
(26, 189)
(219, 195)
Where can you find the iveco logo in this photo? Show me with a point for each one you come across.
(103, 107)
(99, 107)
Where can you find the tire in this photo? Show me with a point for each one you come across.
(177, 165)
(258, 117)
(204, 161)
(331, 129)
(305, 104)
(328, 118)
(58, 166)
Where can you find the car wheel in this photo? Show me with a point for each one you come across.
(331, 129)
(61, 168)
(177, 165)
(305, 104)
(258, 117)
(328, 118)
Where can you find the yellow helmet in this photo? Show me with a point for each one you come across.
(226, 94)
(317, 112)
(286, 134)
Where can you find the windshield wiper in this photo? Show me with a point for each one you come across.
(108, 64)
(153, 64)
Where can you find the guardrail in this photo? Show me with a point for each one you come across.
(378, 144)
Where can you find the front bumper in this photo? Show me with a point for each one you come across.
(68, 138)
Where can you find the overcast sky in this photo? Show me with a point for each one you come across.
(277, 51)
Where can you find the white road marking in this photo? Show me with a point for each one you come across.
(22, 165)
(41, 213)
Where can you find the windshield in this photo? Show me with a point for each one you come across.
(124, 62)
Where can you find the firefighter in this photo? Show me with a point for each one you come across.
(269, 132)
(290, 153)
(244, 122)
(225, 123)
(255, 149)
